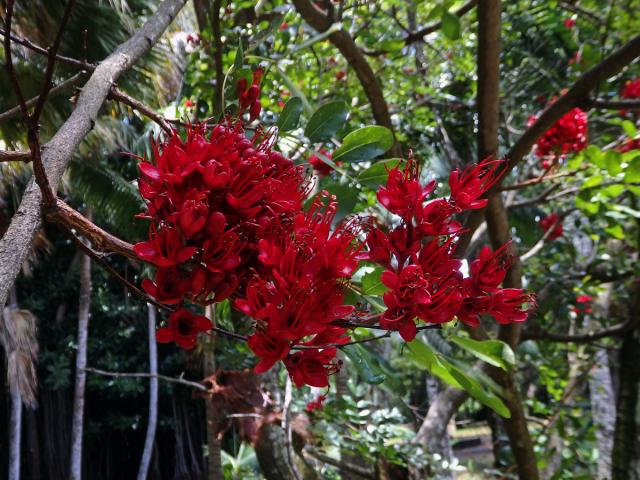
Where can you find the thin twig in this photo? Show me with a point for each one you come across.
(180, 381)
(60, 88)
(122, 97)
(43, 51)
(286, 426)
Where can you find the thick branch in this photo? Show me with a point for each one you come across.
(612, 104)
(65, 216)
(16, 243)
(15, 156)
(354, 56)
(539, 334)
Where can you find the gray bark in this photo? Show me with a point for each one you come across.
(153, 396)
(602, 395)
(440, 445)
(16, 242)
(15, 435)
(77, 423)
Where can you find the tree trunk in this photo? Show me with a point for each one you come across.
(77, 424)
(214, 444)
(601, 394)
(143, 471)
(34, 461)
(15, 435)
(625, 442)
(440, 444)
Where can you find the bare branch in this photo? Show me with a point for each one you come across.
(73, 81)
(16, 242)
(180, 381)
(539, 334)
(605, 104)
(122, 97)
(15, 156)
(420, 34)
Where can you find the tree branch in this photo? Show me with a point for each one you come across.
(15, 156)
(16, 243)
(354, 56)
(122, 97)
(180, 381)
(538, 334)
(58, 89)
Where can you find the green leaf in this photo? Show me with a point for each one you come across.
(377, 173)
(615, 231)
(632, 172)
(364, 144)
(371, 283)
(585, 203)
(290, 116)
(612, 191)
(364, 363)
(593, 154)
(612, 162)
(629, 128)
(592, 181)
(423, 355)
(392, 45)
(576, 160)
(484, 396)
(493, 352)
(451, 26)
(326, 121)
(239, 60)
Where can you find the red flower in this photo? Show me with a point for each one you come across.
(584, 298)
(554, 222)
(506, 305)
(489, 269)
(403, 194)
(629, 145)
(631, 89)
(189, 104)
(569, 23)
(170, 285)
(316, 404)
(567, 135)
(319, 165)
(340, 75)
(312, 367)
(183, 328)
(165, 248)
(283, 26)
(584, 304)
(271, 350)
(469, 185)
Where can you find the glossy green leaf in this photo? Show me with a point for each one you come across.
(290, 116)
(371, 283)
(364, 363)
(612, 162)
(451, 25)
(493, 352)
(364, 144)
(481, 394)
(423, 355)
(378, 173)
(629, 128)
(326, 121)
(632, 172)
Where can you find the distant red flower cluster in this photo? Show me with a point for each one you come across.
(631, 89)
(629, 145)
(569, 23)
(421, 272)
(567, 135)
(321, 167)
(552, 222)
(583, 304)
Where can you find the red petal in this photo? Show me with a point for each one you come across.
(164, 335)
(203, 324)
(408, 331)
(149, 171)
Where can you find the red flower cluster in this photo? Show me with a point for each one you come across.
(421, 272)
(320, 166)
(584, 304)
(316, 404)
(249, 95)
(629, 145)
(298, 292)
(552, 221)
(568, 135)
(631, 89)
(569, 23)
